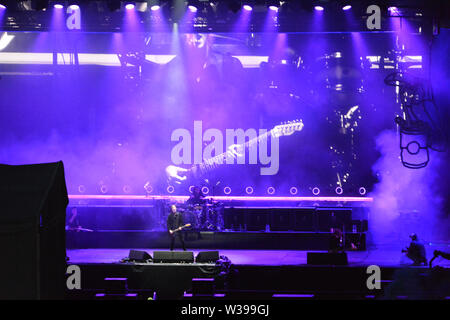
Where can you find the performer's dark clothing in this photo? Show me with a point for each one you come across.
(193, 200)
(175, 221)
(416, 252)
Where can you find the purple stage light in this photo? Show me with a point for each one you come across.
(81, 189)
(318, 8)
(362, 191)
(2, 6)
(315, 191)
(74, 7)
(58, 6)
(347, 7)
(293, 190)
(249, 190)
(129, 6)
(171, 189)
(270, 190)
(155, 8)
(339, 190)
(205, 190)
(247, 7)
(192, 8)
(273, 8)
(148, 188)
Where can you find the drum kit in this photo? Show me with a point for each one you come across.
(203, 217)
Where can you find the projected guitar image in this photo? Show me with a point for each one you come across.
(179, 175)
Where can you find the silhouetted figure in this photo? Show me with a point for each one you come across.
(416, 251)
(175, 223)
(197, 197)
(336, 243)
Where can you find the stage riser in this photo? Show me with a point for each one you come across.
(154, 217)
(252, 282)
(211, 240)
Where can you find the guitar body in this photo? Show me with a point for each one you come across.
(187, 225)
(197, 172)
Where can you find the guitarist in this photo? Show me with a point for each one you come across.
(174, 226)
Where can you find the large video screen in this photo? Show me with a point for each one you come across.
(237, 113)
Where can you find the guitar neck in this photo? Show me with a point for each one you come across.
(210, 164)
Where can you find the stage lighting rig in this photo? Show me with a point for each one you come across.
(234, 5)
(419, 132)
(113, 5)
(39, 5)
(273, 5)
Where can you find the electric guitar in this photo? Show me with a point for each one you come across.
(179, 175)
(180, 228)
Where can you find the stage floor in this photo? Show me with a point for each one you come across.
(383, 256)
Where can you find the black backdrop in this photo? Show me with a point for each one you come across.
(33, 199)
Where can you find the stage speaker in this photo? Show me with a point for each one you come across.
(203, 286)
(328, 218)
(137, 255)
(234, 218)
(257, 219)
(173, 256)
(33, 201)
(304, 219)
(281, 219)
(327, 258)
(207, 257)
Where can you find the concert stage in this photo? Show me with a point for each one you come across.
(263, 274)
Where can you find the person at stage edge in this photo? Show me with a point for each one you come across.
(416, 251)
(174, 227)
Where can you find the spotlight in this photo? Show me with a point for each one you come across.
(205, 190)
(170, 189)
(74, 7)
(129, 5)
(155, 7)
(81, 188)
(362, 191)
(2, 6)
(346, 7)
(318, 8)
(339, 190)
(192, 8)
(227, 190)
(273, 5)
(315, 191)
(270, 190)
(249, 190)
(247, 7)
(58, 6)
(273, 8)
(293, 190)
